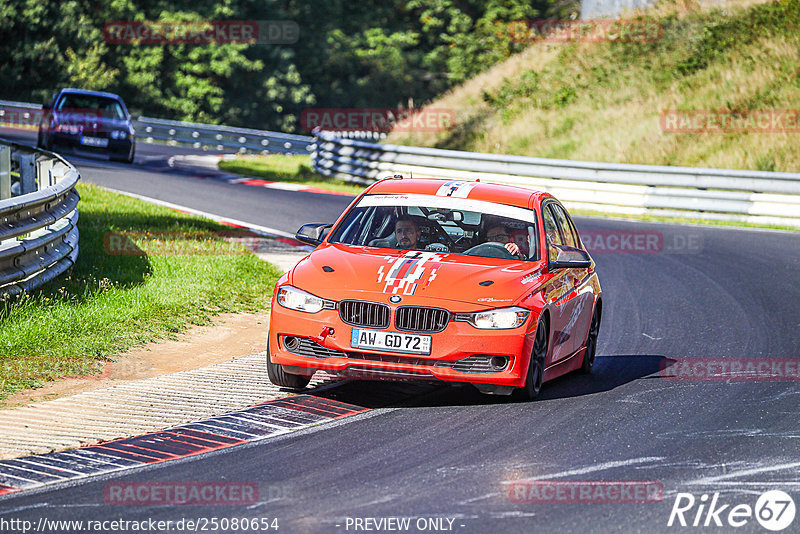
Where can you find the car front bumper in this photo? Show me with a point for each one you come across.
(459, 353)
(115, 146)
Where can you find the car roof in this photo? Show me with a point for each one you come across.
(86, 92)
(486, 191)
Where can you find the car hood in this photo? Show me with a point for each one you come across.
(337, 272)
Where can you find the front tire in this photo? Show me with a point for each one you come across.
(41, 142)
(281, 378)
(535, 376)
(591, 343)
(127, 158)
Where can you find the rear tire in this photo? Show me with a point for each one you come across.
(279, 377)
(535, 376)
(591, 343)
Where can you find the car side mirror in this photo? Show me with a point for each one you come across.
(567, 257)
(313, 233)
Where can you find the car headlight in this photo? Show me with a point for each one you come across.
(119, 134)
(296, 299)
(501, 318)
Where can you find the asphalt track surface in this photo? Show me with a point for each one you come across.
(451, 453)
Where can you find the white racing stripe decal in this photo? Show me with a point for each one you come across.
(455, 189)
(466, 204)
(406, 272)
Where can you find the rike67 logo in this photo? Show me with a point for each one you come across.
(774, 510)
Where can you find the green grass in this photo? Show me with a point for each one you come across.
(602, 101)
(175, 270)
(286, 168)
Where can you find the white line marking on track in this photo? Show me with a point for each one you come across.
(219, 218)
(754, 471)
(591, 469)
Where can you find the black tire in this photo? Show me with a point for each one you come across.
(591, 342)
(40, 142)
(130, 157)
(279, 377)
(127, 158)
(533, 380)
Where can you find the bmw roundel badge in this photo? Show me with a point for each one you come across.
(394, 299)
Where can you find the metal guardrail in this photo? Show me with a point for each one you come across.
(200, 135)
(197, 135)
(38, 217)
(615, 188)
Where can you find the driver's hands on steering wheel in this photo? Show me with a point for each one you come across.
(513, 248)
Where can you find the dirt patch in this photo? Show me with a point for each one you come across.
(231, 336)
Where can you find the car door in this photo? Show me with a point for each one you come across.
(579, 299)
(557, 290)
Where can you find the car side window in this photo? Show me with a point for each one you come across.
(551, 233)
(574, 230)
(551, 230)
(570, 237)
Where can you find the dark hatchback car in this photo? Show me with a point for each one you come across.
(90, 122)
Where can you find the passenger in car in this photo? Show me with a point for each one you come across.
(521, 238)
(497, 233)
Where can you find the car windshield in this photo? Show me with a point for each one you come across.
(441, 224)
(93, 105)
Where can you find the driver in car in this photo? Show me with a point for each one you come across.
(498, 234)
(407, 233)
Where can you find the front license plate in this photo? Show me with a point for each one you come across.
(94, 141)
(390, 341)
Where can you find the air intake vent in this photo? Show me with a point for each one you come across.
(311, 349)
(367, 314)
(421, 319)
(478, 363)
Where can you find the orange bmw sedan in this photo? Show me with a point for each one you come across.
(429, 279)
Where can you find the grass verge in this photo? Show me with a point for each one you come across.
(144, 273)
(603, 101)
(286, 168)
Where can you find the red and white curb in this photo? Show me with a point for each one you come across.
(209, 165)
(259, 422)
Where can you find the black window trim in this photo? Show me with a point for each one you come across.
(576, 237)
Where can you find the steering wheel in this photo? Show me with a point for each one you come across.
(438, 230)
(492, 249)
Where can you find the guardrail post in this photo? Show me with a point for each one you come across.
(27, 173)
(44, 173)
(5, 172)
